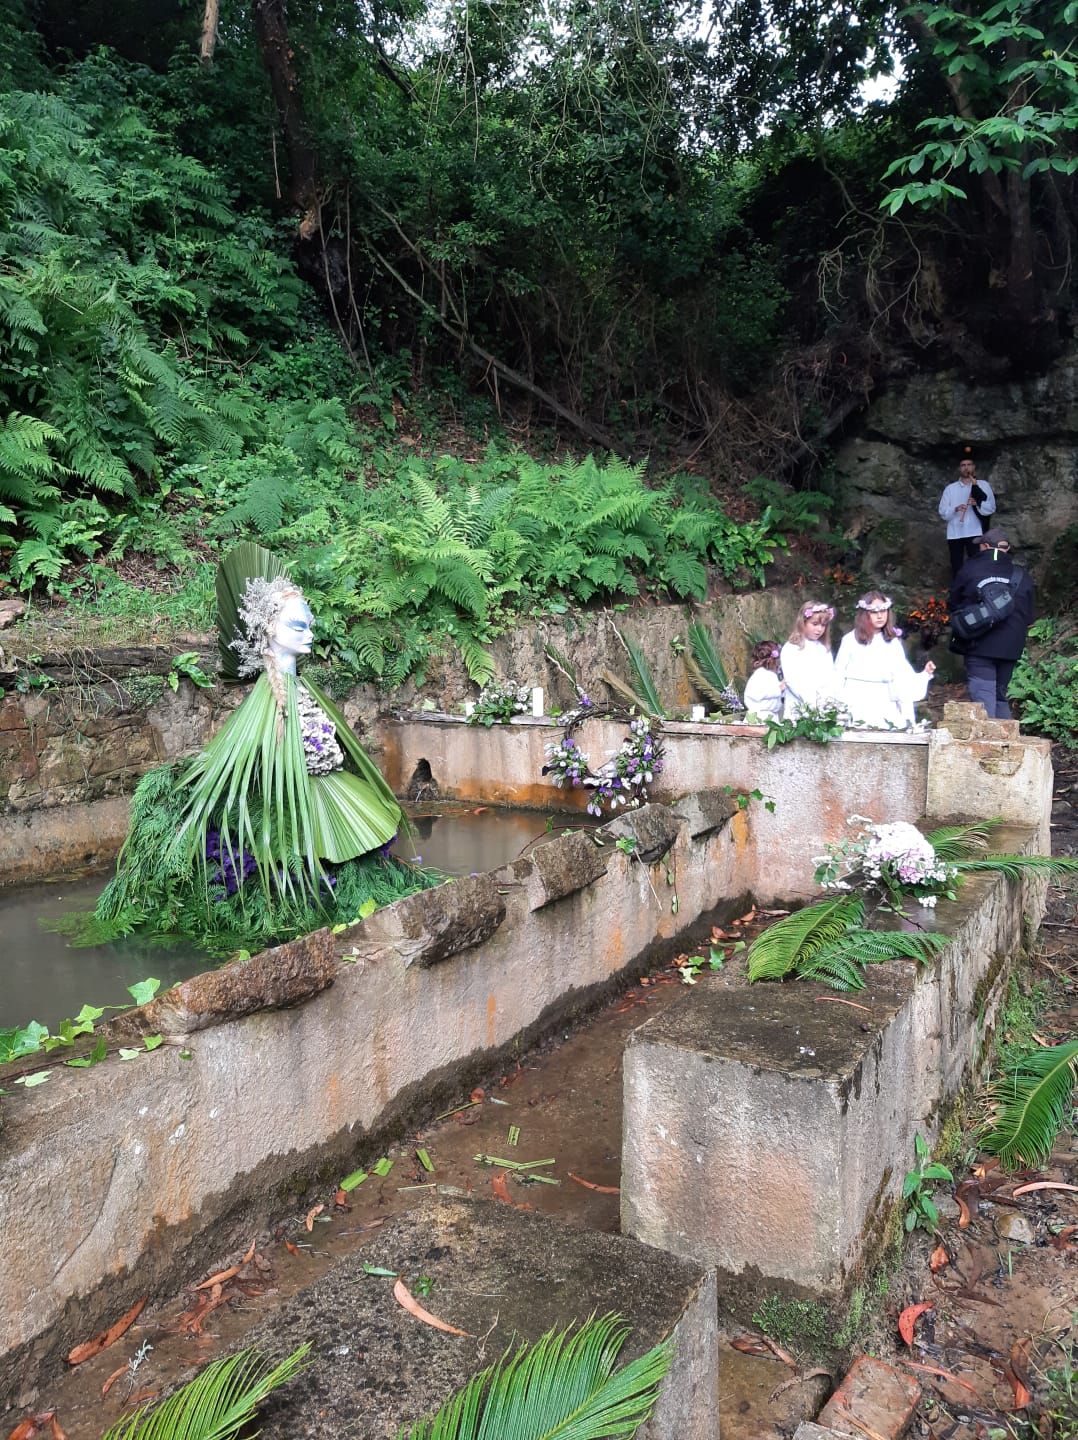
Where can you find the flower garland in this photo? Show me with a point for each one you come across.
(624, 778)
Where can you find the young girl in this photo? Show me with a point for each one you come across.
(877, 684)
(807, 666)
(763, 693)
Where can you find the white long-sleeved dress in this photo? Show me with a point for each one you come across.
(968, 525)
(809, 672)
(877, 683)
(763, 695)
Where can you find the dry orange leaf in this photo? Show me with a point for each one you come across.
(292, 1249)
(500, 1185)
(407, 1301)
(477, 1094)
(111, 1381)
(311, 1213)
(1043, 1185)
(908, 1319)
(943, 1374)
(223, 1275)
(58, 1432)
(341, 1199)
(1063, 1241)
(1017, 1372)
(939, 1259)
(591, 1185)
(750, 1345)
(107, 1337)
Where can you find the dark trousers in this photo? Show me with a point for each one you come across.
(987, 681)
(960, 553)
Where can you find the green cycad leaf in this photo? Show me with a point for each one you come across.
(1030, 1104)
(839, 965)
(962, 842)
(564, 1387)
(1015, 866)
(793, 941)
(216, 1404)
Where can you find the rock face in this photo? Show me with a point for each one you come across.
(1024, 438)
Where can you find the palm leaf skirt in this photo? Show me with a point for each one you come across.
(349, 816)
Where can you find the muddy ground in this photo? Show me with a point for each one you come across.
(995, 1354)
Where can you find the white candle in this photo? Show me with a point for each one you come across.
(469, 707)
(537, 702)
(697, 712)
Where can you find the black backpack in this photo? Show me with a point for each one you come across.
(995, 604)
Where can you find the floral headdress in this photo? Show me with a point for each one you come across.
(258, 611)
(817, 607)
(874, 606)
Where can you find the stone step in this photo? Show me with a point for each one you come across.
(505, 1276)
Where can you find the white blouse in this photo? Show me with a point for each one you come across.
(809, 672)
(877, 683)
(763, 694)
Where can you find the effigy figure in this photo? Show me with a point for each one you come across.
(282, 823)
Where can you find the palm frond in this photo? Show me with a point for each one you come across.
(244, 562)
(1030, 1104)
(645, 680)
(792, 942)
(1015, 866)
(840, 964)
(962, 842)
(216, 1404)
(706, 657)
(564, 1386)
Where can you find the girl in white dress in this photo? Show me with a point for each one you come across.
(763, 693)
(807, 666)
(877, 684)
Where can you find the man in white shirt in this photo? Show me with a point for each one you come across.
(963, 505)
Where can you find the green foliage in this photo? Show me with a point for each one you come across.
(217, 1404)
(804, 1326)
(1045, 682)
(829, 942)
(921, 1208)
(1030, 1103)
(565, 1384)
(818, 725)
(186, 667)
(962, 842)
(707, 671)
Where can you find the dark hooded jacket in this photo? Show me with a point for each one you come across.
(1007, 640)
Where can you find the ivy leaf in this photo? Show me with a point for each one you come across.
(153, 1041)
(37, 1078)
(142, 992)
(126, 1054)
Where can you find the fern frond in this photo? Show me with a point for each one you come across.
(1030, 1105)
(1015, 866)
(216, 1404)
(962, 842)
(793, 941)
(563, 1385)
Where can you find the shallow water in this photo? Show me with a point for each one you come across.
(42, 978)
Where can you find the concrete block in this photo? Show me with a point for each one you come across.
(982, 768)
(873, 1399)
(505, 1277)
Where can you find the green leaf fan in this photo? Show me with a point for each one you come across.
(243, 563)
(1030, 1104)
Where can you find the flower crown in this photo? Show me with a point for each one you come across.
(875, 607)
(817, 608)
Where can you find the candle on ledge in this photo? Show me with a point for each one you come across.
(697, 712)
(537, 702)
(469, 707)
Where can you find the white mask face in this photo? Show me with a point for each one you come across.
(292, 635)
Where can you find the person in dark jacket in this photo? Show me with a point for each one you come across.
(991, 657)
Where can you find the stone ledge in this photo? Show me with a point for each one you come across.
(433, 925)
(553, 871)
(705, 811)
(653, 827)
(499, 1274)
(271, 980)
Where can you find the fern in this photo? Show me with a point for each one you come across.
(1030, 1105)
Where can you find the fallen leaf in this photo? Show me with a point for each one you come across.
(908, 1319)
(798, 1380)
(745, 919)
(111, 1381)
(939, 1259)
(599, 1189)
(223, 1275)
(57, 1430)
(750, 1345)
(340, 1200)
(140, 1397)
(292, 1249)
(1043, 1185)
(311, 1213)
(500, 1185)
(943, 1374)
(1017, 1372)
(477, 1094)
(967, 1197)
(407, 1301)
(780, 1353)
(29, 1428)
(1062, 1241)
(107, 1337)
(838, 1000)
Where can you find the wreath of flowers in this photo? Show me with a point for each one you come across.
(625, 777)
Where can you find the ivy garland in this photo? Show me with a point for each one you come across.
(624, 778)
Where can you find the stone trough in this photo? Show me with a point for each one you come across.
(123, 1179)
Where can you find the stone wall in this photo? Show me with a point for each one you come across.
(906, 447)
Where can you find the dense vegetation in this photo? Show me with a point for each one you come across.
(248, 267)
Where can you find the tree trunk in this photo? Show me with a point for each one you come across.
(271, 27)
(209, 32)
